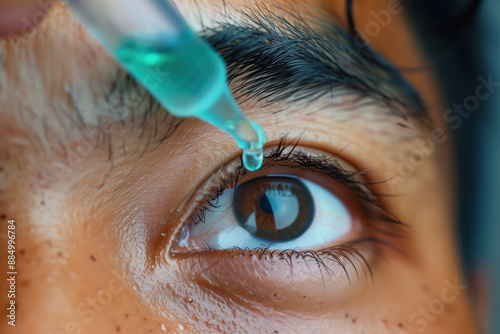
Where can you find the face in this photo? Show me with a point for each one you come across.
(128, 219)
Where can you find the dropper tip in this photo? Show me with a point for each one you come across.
(226, 115)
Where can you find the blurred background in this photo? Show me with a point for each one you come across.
(463, 39)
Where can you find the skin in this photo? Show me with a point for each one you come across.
(92, 241)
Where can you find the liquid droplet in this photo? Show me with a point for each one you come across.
(181, 327)
(252, 159)
(163, 328)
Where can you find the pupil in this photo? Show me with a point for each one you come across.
(265, 205)
(274, 207)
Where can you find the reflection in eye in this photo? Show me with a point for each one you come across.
(275, 212)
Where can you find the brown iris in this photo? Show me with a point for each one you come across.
(277, 208)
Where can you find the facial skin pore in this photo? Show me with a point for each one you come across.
(98, 196)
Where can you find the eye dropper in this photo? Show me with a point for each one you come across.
(182, 71)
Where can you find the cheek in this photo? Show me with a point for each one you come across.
(66, 281)
(68, 276)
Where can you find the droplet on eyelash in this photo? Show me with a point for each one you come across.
(252, 159)
(163, 328)
(189, 300)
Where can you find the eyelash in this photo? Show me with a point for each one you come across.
(285, 155)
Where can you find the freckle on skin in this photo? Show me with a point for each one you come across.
(117, 329)
(42, 202)
(92, 257)
(400, 325)
(384, 321)
(354, 320)
(59, 254)
(3, 216)
(22, 252)
(126, 315)
(347, 315)
(49, 243)
(426, 288)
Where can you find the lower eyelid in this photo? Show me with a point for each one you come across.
(282, 280)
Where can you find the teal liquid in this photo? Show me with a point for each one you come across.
(189, 79)
(186, 76)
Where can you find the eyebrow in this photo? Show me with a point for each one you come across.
(273, 60)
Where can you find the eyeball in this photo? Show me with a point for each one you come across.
(277, 212)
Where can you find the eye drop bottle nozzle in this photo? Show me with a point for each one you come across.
(226, 115)
(183, 72)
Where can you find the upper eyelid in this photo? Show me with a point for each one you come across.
(295, 158)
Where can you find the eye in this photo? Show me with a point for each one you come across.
(307, 219)
(275, 212)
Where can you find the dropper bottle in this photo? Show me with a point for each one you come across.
(183, 72)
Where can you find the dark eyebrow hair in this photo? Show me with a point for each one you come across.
(273, 60)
